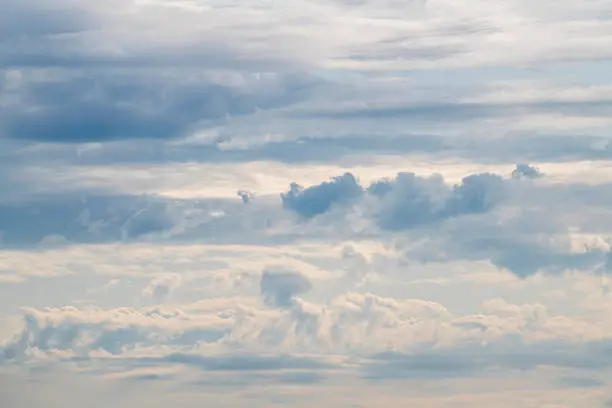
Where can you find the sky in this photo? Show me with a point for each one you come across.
(331, 203)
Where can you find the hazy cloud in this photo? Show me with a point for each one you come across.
(527, 171)
(278, 288)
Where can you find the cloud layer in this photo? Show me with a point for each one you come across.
(306, 202)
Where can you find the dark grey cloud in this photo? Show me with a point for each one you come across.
(405, 202)
(278, 288)
(86, 219)
(315, 200)
(146, 87)
(38, 18)
(89, 217)
(151, 105)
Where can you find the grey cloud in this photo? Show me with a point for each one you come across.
(244, 378)
(301, 377)
(315, 200)
(37, 18)
(152, 105)
(87, 218)
(533, 241)
(525, 257)
(33, 43)
(91, 217)
(278, 288)
(144, 88)
(556, 148)
(581, 382)
(522, 227)
(476, 194)
(459, 112)
(527, 171)
(246, 196)
(410, 201)
(154, 218)
(478, 360)
(408, 53)
(245, 362)
(404, 202)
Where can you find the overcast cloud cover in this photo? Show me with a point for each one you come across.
(329, 203)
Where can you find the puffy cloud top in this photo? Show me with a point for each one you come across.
(477, 193)
(315, 200)
(278, 288)
(407, 201)
(526, 171)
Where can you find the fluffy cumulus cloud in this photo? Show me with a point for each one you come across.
(315, 200)
(410, 201)
(404, 202)
(305, 203)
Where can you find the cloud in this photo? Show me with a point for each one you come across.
(355, 334)
(315, 200)
(581, 382)
(237, 362)
(410, 201)
(405, 202)
(425, 338)
(527, 171)
(90, 216)
(246, 196)
(134, 125)
(470, 361)
(279, 288)
(87, 218)
(110, 78)
(476, 194)
(160, 288)
(483, 216)
(528, 243)
(102, 107)
(38, 18)
(154, 218)
(113, 331)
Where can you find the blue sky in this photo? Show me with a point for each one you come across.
(335, 203)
